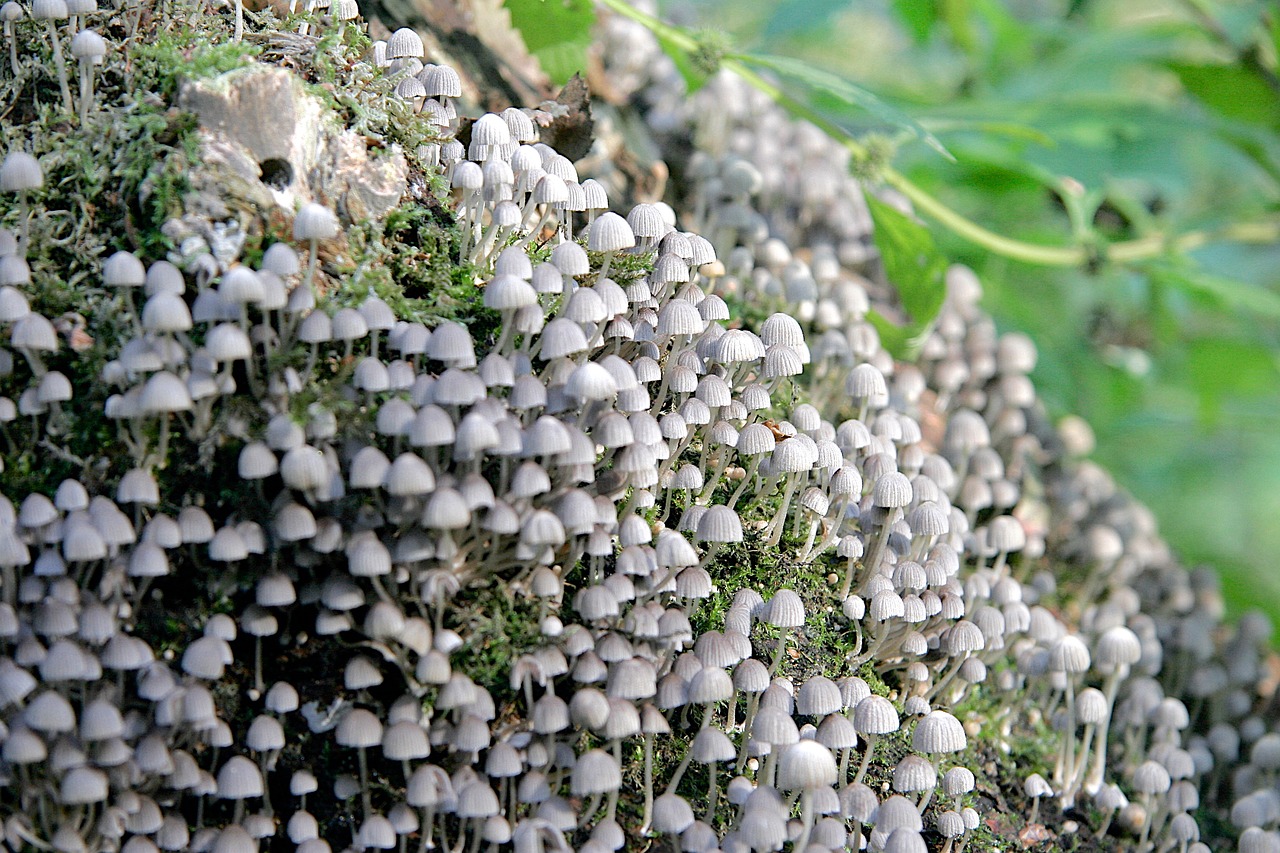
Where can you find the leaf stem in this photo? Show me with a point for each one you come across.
(1082, 253)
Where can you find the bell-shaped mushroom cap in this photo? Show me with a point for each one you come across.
(235, 839)
(123, 269)
(903, 840)
(315, 222)
(897, 812)
(957, 781)
(281, 259)
(50, 712)
(1069, 654)
(1118, 646)
(875, 715)
(818, 696)
(166, 312)
(647, 221)
(719, 524)
(837, 732)
(591, 382)
(570, 259)
(609, 233)
(228, 342)
(784, 610)
(1151, 777)
(671, 814)
(20, 171)
(892, 490)
(83, 785)
(774, 727)
(376, 833)
(710, 684)
(913, 773)
(206, 657)
(23, 747)
(806, 765)
(359, 728)
(405, 740)
(165, 393)
(595, 772)
(441, 81)
(938, 732)
(239, 779)
(264, 734)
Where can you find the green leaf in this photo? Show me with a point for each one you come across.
(1238, 295)
(1230, 90)
(557, 32)
(918, 16)
(1008, 129)
(913, 265)
(845, 92)
(1221, 368)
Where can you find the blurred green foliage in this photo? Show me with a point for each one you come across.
(1098, 123)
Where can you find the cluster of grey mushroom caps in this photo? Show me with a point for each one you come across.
(595, 457)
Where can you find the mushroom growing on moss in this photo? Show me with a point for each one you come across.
(50, 11)
(10, 13)
(89, 49)
(21, 173)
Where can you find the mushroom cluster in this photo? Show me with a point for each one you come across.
(656, 541)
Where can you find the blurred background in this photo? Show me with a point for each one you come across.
(1167, 115)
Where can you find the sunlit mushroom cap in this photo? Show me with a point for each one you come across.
(315, 222)
(806, 765)
(610, 233)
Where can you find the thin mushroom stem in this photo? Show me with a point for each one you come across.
(86, 90)
(872, 561)
(1069, 736)
(366, 796)
(1094, 778)
(713, 793)
(777, 655)
(806, 818)
(592, 806)
(13, 49)
(866, 757)
(928, 794)
(311, 264)
(679, 774)
(60, 64)
(779, 519)
(752, 705)
(647, 818)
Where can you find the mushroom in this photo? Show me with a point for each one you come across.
(314, 223)
(21, 173)
(10, 13)
(361, 730)
(50, 11)
(806, 766)
(595, 773)
(609, 234)
(89, 49)
(872, 717)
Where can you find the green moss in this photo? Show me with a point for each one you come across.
(411, 262)
(501, 625)
(159, 65)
